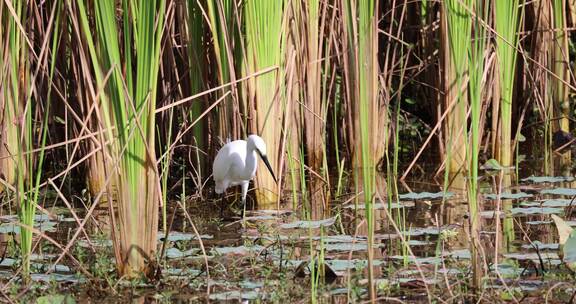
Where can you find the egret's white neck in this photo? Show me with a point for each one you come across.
(251, 159)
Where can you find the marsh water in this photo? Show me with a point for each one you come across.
(422, 249)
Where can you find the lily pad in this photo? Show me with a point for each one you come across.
(176, 236)
(420, 260)
(46, 226)
(540, 246)
(251, 285)
(432, 230)
(343, 265)
(424, 195)
(549, 203)
(341, 238)
(508, 195)
(309, 224)
(550, 257)
(175, 253)
(57, 277)
(240, 250)
(381, 206)
(234, 295)
(347, 247)
(522, 211)
(463, 254)
(536, 210)
(180, 272)
(548, 179)
(560, 191)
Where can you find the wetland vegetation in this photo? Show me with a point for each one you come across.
(423, 151)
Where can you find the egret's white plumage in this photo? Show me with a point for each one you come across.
(236, 163)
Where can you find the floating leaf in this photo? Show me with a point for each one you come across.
(57, 277)
(310, 224)
(564, 230)
(234, 295)
(536, 210)
(424, 195)
(251, 285)
(47, 226)
(381, 206)
(175, 253)
(551, 257)
(549, 203)
(540, 246)
(347, 247)
(343, 265)
(508, 195)
(240, 250)
(560, 191)
(548, 179)
(175, 236)
(463, 254)
(523, 211)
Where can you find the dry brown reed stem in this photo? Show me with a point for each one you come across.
(314, 23)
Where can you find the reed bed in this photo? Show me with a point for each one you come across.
(330, 85)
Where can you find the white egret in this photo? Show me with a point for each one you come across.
(236, 164)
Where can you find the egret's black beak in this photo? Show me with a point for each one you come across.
(267, 163)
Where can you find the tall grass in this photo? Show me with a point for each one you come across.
(477, 53)
(128, 107)
(560, 65)
(223, 27)
(25, 114)
(457, 43)
(196, 51)
(506, 20)
(360, 21)
(314, 112)
(265, 47)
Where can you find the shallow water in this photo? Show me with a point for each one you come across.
(421, 250)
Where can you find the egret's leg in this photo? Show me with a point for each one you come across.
(244, 192)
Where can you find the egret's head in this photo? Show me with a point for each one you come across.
(258, 144)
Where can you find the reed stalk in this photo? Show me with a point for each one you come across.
(477, 53)
(360, 21)
(12, 163)
(128, 112)
(265, 47)
(507, 19)
(197, 54)
(17, 122)
(456, 36)
(560, 65)
(540, 48)
(24, 114)
(223, 28)
(314, 111)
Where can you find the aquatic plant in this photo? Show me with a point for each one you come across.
(128, 113)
